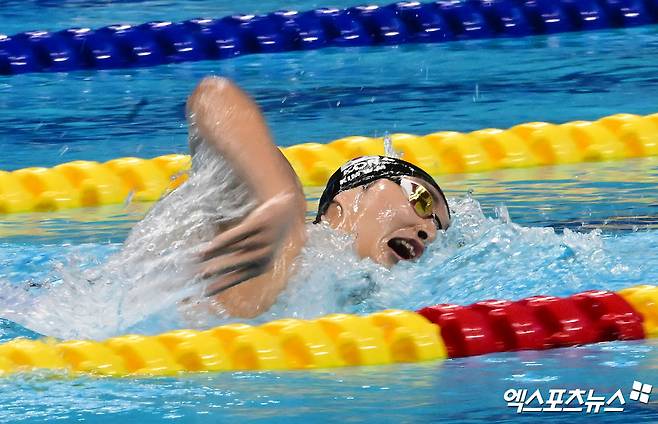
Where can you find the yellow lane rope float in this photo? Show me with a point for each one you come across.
(332, 341)
(84, 183)
(392, 336)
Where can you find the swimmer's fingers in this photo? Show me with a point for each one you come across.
(258, 259)
(231, 280)
(269, 222)
(239, 237)
(251, 241)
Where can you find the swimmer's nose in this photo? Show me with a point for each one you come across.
(426, 231)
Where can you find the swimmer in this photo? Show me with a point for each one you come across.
(392, 208)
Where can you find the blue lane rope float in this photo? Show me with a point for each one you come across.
(156, 43)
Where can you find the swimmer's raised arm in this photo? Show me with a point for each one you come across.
(226, 117)
(256, 252)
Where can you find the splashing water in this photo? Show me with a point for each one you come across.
(104, 290)
(477, 258)
(150, 275)
(389, 150)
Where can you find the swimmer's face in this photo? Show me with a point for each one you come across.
(386, 225)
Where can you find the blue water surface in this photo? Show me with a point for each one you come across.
(603, 215)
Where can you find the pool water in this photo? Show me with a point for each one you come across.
(52, 118)
(554, 230)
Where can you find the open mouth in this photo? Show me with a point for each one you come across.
(406, 248)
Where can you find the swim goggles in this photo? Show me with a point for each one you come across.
(420, 199)
(361, 171)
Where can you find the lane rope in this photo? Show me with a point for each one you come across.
(85, 183)
(161, 42)
(338, 340)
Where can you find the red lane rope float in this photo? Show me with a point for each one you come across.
(392, 336)
(538, 322)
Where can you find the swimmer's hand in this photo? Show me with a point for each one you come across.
(248, 249)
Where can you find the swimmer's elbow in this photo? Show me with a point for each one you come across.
(209, 89)
(214, 83)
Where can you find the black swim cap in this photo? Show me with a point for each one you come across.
(366, 169)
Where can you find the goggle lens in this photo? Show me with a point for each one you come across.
(420, 199)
